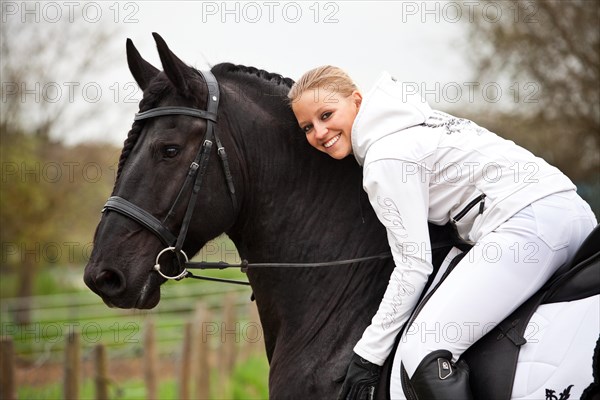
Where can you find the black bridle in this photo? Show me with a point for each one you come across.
(194, 177)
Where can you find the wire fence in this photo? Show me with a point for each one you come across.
(196, 328)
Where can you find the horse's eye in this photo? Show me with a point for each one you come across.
(170, 151)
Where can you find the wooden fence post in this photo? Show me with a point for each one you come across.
(229, 337)
(202, 367)
(254, 333)
(186, 362)
(72, 367)
(7, 369)
(100, 372)
(232, 332)
(150, 361)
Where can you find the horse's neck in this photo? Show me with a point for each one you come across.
(301, 206)
(299, 203)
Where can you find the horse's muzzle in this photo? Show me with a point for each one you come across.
(111, 285)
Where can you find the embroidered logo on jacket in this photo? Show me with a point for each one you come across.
(550, 394)
(451, 124)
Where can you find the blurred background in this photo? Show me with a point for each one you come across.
(527, 70)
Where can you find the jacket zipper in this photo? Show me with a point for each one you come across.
(479, 199)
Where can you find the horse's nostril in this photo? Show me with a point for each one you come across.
(110, 282)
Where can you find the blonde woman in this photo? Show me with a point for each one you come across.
(523, 216)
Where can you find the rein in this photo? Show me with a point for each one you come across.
(194, 179)
(245, 265)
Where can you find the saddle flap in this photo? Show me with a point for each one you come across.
(581, 277)
(589, 247)
(581, 281)
(495, 355)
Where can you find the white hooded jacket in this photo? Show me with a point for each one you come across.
(422, 165)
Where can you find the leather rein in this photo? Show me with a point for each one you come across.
(194, 178)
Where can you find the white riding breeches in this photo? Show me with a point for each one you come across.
(500, 272)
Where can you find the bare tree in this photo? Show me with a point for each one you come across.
(553, 46)
(41, 64)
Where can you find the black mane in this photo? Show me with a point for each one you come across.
(269, 77)
(161, 87)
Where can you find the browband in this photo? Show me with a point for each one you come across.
(173, 110)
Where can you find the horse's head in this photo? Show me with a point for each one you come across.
(158, 170)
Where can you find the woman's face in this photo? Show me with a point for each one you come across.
(326, 117)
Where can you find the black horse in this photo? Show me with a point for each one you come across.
(293, 204)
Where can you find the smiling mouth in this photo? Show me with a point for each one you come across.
(332, 141)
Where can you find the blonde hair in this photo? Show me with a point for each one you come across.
(327, 77)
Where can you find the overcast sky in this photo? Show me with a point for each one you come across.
(291, 37)
(422, 43)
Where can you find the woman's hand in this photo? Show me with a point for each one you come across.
(361, 380)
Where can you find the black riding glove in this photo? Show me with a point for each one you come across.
(361, 380)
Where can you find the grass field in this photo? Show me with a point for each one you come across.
(248, 381)
(62, 303)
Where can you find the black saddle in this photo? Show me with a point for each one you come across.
(500, 347)
(578, 279)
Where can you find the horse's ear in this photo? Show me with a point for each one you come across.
(143, 72)
(174, 68)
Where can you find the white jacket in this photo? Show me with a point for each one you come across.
(423, 165)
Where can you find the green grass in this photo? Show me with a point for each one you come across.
(249, 381)
(130, 390)
(48, 280)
